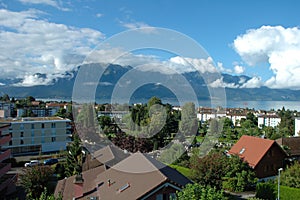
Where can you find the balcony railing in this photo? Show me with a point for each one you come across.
(4, 167)
(7, 180)
(4, 139)
(5, 154)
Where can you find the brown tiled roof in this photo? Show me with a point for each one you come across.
(66, 186)
(110, 155)
(132, 178)
(293, 143)
(251, 149)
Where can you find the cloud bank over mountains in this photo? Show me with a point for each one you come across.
(277, 46)
(37, 51)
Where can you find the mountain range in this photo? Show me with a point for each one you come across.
(62, 88)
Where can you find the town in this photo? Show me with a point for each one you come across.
(65, 150)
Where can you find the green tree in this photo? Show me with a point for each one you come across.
(46, 196)
(188, 124)
(291, 176)
(239, 176)
(200, 192)
(209, 170)
(74, 157)
(35, 179)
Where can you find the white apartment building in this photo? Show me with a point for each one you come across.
(37, 134)
(268, 120)
(297, 126)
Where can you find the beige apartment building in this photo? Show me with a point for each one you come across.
(33, 135)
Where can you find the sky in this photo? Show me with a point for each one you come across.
(260, 39)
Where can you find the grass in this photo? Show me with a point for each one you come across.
(289, 193)
(185, 171)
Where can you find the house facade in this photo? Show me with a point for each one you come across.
(37, 134)
(268, 120)
(263, 155)
(7, 181)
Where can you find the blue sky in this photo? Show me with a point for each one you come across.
(260, 39)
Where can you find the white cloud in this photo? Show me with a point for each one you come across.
(219, 83)
(145, 28)
(276, 45)
(53, 3)
(239, 69)
(193, 64)
(222, 68)
(99, 15)
(254, 82)
(31, 45)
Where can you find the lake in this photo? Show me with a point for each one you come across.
(257, 105)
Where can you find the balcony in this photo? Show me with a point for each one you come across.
(4, 154)
(4, 139)
(8, 181)
(4, 167)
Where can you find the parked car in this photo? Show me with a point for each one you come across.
(50, 161)
(32, 163)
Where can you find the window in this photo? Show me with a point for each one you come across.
(43, 125)
(22, 134)
(21, 141)
(21, 126)
(32, 126)
(52, 125)
(10, 143)
(53, 139)
(159, 197)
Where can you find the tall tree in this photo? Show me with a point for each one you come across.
(74, 157)
(188, 125)
(35, 179)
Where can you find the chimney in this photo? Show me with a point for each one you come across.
(78, 185)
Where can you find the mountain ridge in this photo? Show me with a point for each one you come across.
(62, 87)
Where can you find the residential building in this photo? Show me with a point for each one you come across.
(33, 135)
(37, 112)
(263, 155)
(6, 109)
(291, 145)
(139, 176)
(117, 115)
(55, 107)
(271, 120)
(297, 126)
(7, 181)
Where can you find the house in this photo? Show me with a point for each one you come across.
(108, 156)
(139, 176)
(7, 181)
(291, 145)
(263, 155)
(32, 135)
(271, 120)
(297, 126)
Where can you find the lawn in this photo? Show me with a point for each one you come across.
(287, 193)
(185, 171)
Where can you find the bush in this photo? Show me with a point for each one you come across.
(266, 191)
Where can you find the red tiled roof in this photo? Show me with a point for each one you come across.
(251, 149)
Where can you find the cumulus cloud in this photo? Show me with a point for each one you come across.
(222, 68)
(202, 65)
(276, 45)
(31, 45)
(239, 69)
(254, 82)
(219, 83)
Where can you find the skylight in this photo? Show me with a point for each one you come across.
(242, 150)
